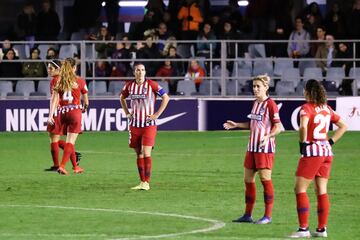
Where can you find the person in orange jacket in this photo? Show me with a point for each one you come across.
(191, 17)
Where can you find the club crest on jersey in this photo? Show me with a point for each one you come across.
(256, 117)
(144, 90)
(262, 111)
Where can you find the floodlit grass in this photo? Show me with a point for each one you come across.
(195, 174)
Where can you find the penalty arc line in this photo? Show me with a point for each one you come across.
(216, 223)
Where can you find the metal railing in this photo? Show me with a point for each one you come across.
(87, 55)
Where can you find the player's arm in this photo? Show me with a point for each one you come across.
(85, 102)
(125, 106)
(275, 130)
(164, 102)
(338, 132)
(231, 125)
(54, 102)
(304, 120)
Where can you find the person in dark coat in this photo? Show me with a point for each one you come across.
(48, 26)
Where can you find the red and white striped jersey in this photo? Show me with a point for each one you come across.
(143, 99)
(262, 118)
(320, 117)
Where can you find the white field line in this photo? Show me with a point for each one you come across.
(216, 224)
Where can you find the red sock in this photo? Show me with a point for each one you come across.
(141, 168)
(268, 197)
(69, 148)
(323, 210)
(62, 144)
(303, 207)
(54, 148)
(148, 164)
(250, 197)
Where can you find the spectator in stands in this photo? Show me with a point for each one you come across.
(120, 69)
(26, 23)
(149, 22)
(216, 24)
(103, 48)
(257, 12)
(344, 52)
(34, 69)
(162, 35)
(206, 49)
(171, 22)
(48, 24)
(282, 30)
(158, 7)
(179, 65)
(6, 45)
(327, 53)
(345, 87)
(150, 51)
(168, 70)
(195, 73)
(102, 69)
(353, 28)
(10, 69)
(296, 47)
(233, 14)
(190, 16)
(311, 26)
(52, 53)
(229, 34)
(312, 10)
(335, 22)
(320, 35)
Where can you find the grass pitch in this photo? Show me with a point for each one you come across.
(196, 186)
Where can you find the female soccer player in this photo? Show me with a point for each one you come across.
(264, 125)
(316, 157)
(54, 129)
(67, 93)
(142, 125)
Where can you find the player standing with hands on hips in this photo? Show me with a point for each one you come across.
(67, 93)
(142, 119)
(316, 157)
(264, 125)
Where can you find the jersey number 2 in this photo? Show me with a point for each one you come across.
(323, 124)
(68, 97)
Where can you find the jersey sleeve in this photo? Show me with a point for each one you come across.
(83, 87)
(305, 111)
(157, 89)
(274, 112)
(125, 90)
(334, 116)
